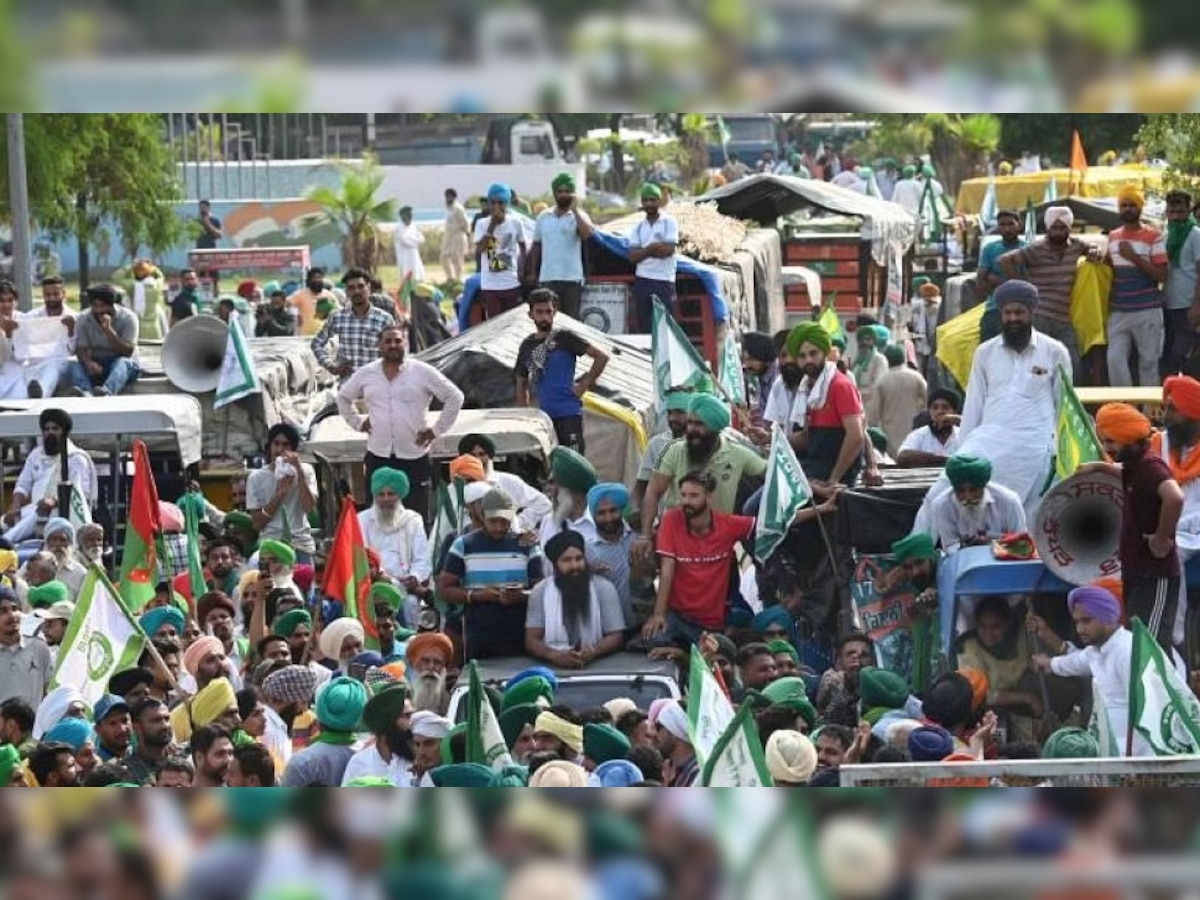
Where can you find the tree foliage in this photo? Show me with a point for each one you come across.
(86, 170)
(1176, 138)
(356, 210)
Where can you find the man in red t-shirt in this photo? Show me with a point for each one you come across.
(695, 549)
(827, 414)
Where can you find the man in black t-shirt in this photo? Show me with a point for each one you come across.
(183, 306)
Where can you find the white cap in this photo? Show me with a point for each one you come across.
(64, 609)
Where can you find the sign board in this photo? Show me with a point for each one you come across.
(239, 258)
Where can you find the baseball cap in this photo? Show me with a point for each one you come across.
(106, 705)
(498, 504)
(64, 609)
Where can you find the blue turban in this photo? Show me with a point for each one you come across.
(775, 615)
(677, 401)
(616, 773)
(501, 192)
(1100, 604)
(533, 672)
(709, 410)
(157, 617)
(71, 731)
(608, 490)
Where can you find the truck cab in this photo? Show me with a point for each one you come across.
(521, 142)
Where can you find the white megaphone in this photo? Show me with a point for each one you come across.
(193, 353)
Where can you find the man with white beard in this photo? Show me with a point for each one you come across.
(571, 477)
(574, 618)
(974, 512)
(341, 641)
(59, 535)
(36, 493)
(532, 505)
(398, 536)
(429, 655)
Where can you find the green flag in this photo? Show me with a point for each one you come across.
(102, 638)
(732, 378)
(192, 504)
(785, 490)
(80, 512)
(1075, 436)
(1162, 709)
(238, 377)
(737, 759)
(709, 710)
(677, 363)
(485, 740)
(830, 320)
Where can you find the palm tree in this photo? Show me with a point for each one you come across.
(355, 210)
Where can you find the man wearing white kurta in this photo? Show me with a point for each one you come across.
(1011, 409)
(49, 349)
(407, 241)
(36, 492)
(456, 237)
(398, 536)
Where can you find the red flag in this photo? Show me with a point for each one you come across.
(348, 575)
(139, 562)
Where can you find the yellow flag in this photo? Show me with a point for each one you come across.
(1089, 303)
(957, 340)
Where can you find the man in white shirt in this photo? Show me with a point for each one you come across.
(397, 392)
(12, 373)
(281, 494)
(1106, 655)
(407, 241)
(974, 513)
(907, 192)
(557, 253)
(42, 373)
(501, 248)
(931, 445)
(397, 535)
(532, 505)
(36, 493)
(456, 237)
(653, 249)
(387, 716)
(1011, 411)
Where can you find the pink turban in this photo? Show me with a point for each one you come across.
(201, 647)
(171, 516)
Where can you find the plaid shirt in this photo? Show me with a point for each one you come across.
(358, 337)
(175, 555)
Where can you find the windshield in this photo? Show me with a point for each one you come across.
(583, 695)
(751, 131)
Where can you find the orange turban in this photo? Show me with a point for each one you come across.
(1116, 587)
(1184, 392)
(1122, 423)
(979, 687)
(419, 644)
(1131, 193)
(468, 468)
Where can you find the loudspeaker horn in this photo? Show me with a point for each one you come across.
(193, 353)
(1077, 529)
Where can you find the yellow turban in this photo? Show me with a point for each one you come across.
(1122, 423)
(1131, 193)
(571, 735)
(216, 698)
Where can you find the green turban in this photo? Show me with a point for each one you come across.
(281, 551)
(677, 401)
(528, 690)
(388, 593)
(879, 438)
(781, 646)
(514, 719)
(462, 775)
(920, 281)
(563, 180)
(603, 742)
(808, 333)
(916, 546)
(965, 470)
(390, 478)
(9, 760)
(1071, 743)
(572, 471)
(894, 354)
(908, 172)
(879, 332)
(710, 410)
(651, 191)
(48, 594)
(792, 693)
(510, 777)
(239, 519)
(286, 625)
(882, 688)
(928, 171)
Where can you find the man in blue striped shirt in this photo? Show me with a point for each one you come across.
(490, 573)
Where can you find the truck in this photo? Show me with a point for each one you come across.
(746, 134)
(492, 140)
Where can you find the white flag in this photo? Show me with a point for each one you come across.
(785, 490)
(737, 760)
(102, 638)
(238, 378)
(1051, 193)
(485, 740)
(1101, 727)
(80, 512)
(1162, 708)
(709, 710)
(990, 208)
(732, 378)
(677, 363)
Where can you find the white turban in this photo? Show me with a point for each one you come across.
(1059, 214)
(618, 706)
(426, 724)
(672, 717)
(791, 757)
(335, 633)
(57, 524)
(53, 708)
(475, 491)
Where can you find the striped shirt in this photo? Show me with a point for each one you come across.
(1052, 272)
(479, 561)
(1133, 290)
